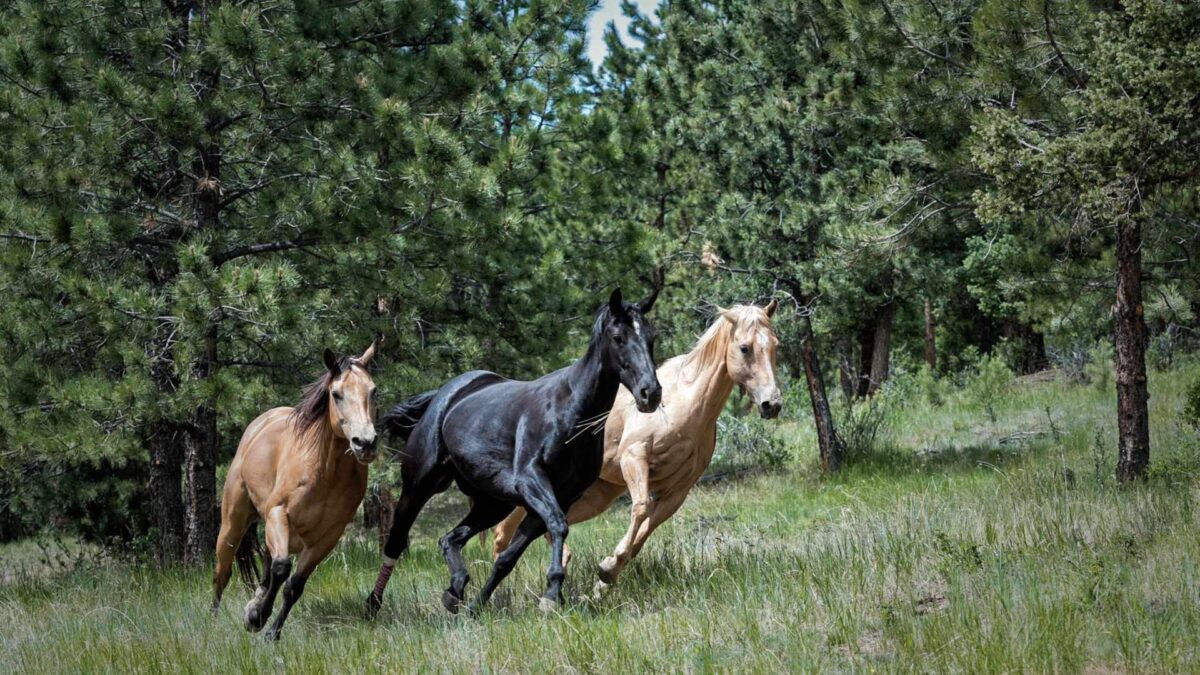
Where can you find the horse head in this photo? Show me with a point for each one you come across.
(627, 340)
(750, 356)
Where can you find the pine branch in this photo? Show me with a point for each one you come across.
(1071, 72)
(912, 43)
(21, 236)
(219, 259)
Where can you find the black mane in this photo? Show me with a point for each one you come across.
(312, 412)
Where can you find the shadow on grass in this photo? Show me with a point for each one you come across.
(893, 462)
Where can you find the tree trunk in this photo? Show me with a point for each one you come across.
(165, 447)
(200, 462)
(846, 374)
(930, 336)
(1029, 346)
(203, 510)
(866, 351)
(881, 347)
(387, 509)
(829, 445)
(1133, 418)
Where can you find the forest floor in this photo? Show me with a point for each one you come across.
(964, 545)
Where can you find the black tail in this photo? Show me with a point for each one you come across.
(400, 420)
(250, 553)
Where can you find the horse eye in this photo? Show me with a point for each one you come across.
(337, 395)
(745, 349)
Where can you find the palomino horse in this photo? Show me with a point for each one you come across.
(303, 470)
(659, 457)
(509, 443)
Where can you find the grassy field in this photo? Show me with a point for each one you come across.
(963, 545)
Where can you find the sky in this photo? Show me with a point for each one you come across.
(610, 11)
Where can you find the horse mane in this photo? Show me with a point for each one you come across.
(597, 330)
(712, 344)
(311, 414)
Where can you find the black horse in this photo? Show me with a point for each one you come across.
(508, 443)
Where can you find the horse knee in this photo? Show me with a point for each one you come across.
(640, 509)
(281, 568)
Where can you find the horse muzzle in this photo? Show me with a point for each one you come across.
(648, 398)
(770, 409)
(364, 451)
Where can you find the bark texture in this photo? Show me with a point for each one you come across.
(1133, 417)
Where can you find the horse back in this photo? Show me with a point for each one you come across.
(426, 444)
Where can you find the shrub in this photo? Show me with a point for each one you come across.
(1100, 365)
(745, 443)
(1191, 405)
(860, 423)
(930, 387)
(989, 384)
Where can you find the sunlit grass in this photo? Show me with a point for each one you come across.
(960, 545)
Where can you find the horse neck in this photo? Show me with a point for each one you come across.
(328, 451)
(593, 385)
(706, 373)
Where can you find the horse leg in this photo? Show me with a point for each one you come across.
(236, 515)
(258, 610)
(484, 514)
(531, 528)
(413, 498)
(594, 501)
(306, 562)
(534, 487)
(635, 468)
(503, 533)
(661, 509)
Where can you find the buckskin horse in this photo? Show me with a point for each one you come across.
(508, 443)
(303, 471)
(658, 458)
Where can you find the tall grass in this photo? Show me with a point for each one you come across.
(958, 544)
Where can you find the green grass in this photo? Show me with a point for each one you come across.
(961, 546)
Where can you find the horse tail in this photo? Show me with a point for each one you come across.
(403, 418)
(250, 553)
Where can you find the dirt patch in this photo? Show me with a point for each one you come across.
(930, 603)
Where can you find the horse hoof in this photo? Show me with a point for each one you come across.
(373, 605)
(600, 589)
(608, 571)
(253, 622)
(548, 605)
(271, 635)
(450, 601)
(254, 618)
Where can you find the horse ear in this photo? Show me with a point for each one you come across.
(647, 303)
(367, 355)
(331, 362)
(728, 314)
(771, 307)
(616, 305)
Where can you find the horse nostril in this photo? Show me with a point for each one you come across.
(645, 392)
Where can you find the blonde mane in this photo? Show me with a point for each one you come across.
(715, 340)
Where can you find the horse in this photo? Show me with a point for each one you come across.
(303, 471)
(658, 458)
(509, 443)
